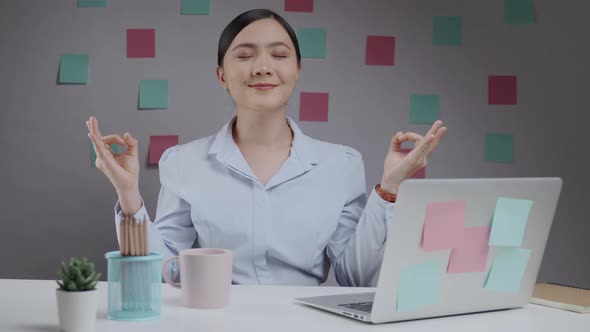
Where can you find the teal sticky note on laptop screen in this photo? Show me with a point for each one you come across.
(507, 269)
(509, 221)
(419, 285)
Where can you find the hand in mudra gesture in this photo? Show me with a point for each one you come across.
(121, 169)
(399, 165)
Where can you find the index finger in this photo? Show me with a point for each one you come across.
(94, 126)
(99, 146)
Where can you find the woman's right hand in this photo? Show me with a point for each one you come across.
(121, 169)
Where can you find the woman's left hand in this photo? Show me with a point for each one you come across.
(400, 165)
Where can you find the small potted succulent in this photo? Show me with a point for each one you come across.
(77, 296)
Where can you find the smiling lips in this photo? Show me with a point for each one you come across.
(262, 86)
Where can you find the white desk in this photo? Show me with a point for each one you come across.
(30, 305)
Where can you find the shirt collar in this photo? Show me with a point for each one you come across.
(302, 148)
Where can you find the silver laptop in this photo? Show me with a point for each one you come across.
(457, 293)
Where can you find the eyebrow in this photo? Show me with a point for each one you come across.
(252, 45)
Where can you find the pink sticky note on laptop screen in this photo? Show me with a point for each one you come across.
(159, 144)
(444, 225)
(473, 256)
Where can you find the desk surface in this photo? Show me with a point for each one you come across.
(30, 305)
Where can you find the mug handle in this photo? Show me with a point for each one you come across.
(165, 272)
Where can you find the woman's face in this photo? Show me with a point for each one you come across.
(260, 67)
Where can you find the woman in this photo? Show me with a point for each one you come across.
(287, 205)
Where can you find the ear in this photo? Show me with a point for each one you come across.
(221, 77)
(299, 66)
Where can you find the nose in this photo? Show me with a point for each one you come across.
(261, 66)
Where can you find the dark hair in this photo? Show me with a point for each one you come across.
(244, 19)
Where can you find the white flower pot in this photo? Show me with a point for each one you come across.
(77, 310)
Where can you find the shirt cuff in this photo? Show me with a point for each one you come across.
(379, 207)
(375, 199)
(139, 215)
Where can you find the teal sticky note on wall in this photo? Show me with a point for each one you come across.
(424, 108)
(153, 94)
(73, 68)
(312, 42)
(509, 221)
(519, 11)
(195, 7)
(91, 3)
(499, 148)
(507, 269)
(419, 285)
(118, 149)
(446, 30)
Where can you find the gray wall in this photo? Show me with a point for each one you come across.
(54, 205)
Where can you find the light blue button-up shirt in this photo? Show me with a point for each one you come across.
(314, 211)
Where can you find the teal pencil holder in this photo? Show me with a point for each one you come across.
(134, 286)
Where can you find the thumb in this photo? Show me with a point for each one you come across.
(131, 144)
(396, 144)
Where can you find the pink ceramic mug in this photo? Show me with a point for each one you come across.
(205, 277)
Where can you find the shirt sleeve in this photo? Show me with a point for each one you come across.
(172, 230)
(357, 246)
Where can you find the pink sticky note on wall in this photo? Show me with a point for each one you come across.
(444, 225)
(502, 90)
(141, 43)
(421, 173)
(313, 106)
(473, 256)
(380, 50)
(304, 6)
(159, 144)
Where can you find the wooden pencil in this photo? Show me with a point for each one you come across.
(141, 240)
(127, 238)
(128, 230)
(122, 236)
(133, 237)
(137, 239)
(145, 236)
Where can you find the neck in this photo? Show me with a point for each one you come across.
(262, 129)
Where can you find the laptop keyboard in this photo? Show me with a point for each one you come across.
(360, 306)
